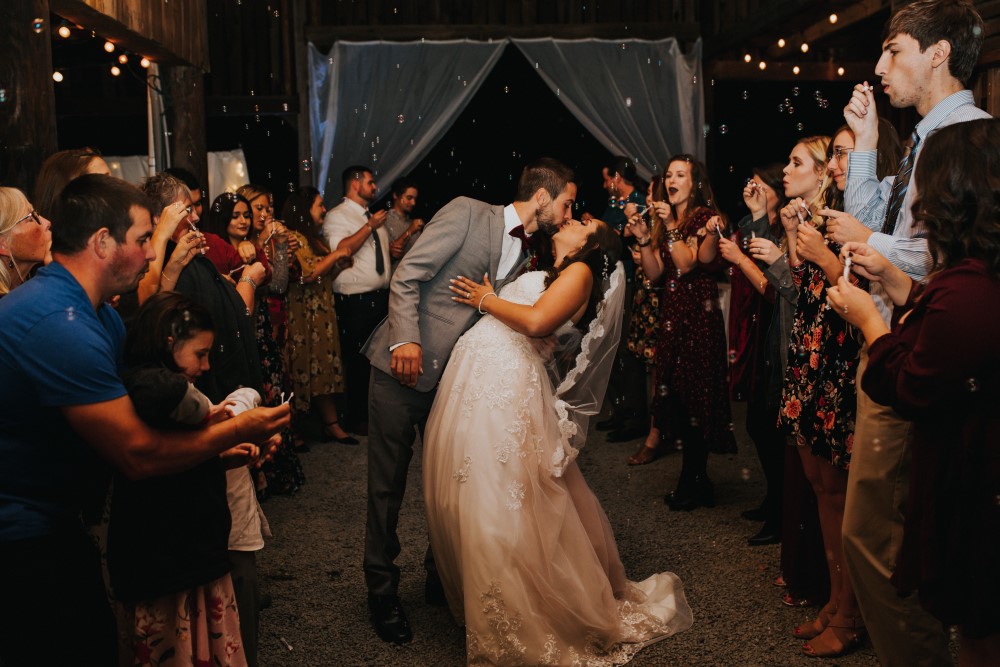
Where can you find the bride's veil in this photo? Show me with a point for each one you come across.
(580, 367)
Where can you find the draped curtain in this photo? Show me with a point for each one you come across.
(386, 104)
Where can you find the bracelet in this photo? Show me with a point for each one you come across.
(249, 280)
(674, 235)
(643, 245)
(480, 308)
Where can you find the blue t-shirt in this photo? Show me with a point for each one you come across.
(55, 351)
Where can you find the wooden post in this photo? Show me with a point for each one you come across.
(185, 87)
(27, 100)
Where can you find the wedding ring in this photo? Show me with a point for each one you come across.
(468, 295)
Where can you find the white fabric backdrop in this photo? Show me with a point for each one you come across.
(227, 170)
(386, 104)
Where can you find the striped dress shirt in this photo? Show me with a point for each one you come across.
(865, 197)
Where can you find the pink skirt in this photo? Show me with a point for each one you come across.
(199, 626)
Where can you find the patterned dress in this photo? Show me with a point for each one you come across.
(645, 320)
(314, 341)
(818, 401)
(692, 389)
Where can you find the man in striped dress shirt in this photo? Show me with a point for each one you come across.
(928, 55)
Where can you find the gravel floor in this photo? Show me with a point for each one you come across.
(312, 567)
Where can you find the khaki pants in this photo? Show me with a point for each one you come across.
(903, 633)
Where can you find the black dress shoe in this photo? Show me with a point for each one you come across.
(626, 434)
(388, 619)
(434, 591)
(690, 495)
(756, 514)
(609, 424)
(767, 535)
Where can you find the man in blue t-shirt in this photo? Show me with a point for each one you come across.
(64, 414)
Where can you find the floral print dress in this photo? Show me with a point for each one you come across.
(819, 400)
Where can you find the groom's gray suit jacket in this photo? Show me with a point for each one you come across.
(464, 238)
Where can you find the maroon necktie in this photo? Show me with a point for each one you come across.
(519, 234)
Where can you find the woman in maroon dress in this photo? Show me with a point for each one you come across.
(691, 402)
(940, 367)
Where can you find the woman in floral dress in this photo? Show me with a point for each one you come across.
(691, 401)
(818, 402)
(314, 357)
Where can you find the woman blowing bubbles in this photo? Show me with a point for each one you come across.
(940, 367)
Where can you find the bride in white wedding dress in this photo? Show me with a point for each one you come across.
(524, 551)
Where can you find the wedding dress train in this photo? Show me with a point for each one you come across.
(523, 548)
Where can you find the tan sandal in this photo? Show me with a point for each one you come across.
(815, 627)
(836, 640)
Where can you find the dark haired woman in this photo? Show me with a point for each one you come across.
(938, 366)
(763, 302)
(524, 551)
(691, 402)
(314, 357)
(61, 168)
(168, 551)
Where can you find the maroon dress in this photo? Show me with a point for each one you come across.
(692, 389)
(940, 367)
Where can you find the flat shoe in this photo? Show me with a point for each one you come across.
(836, 640)
(646, 455)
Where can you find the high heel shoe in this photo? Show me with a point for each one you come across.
(837, 640)
(346, 440)
(815, 627)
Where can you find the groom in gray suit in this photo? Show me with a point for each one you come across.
(410, 348)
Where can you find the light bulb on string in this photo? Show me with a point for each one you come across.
(840, 71)
(115, 71)
(747, 58)
(796, 70)
(144, 63)
(833, 18)
(762, 65)
(123, 59)
(57, 76)
(804, 47)
(64, 31)
(781, 43)
(109, 47)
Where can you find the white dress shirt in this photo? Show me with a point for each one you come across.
(510, 249)
(345, 220)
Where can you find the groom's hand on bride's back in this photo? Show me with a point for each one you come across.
(407, 364)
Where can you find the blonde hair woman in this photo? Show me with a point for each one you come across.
(25, 239)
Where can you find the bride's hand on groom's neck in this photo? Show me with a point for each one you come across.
(407, 364)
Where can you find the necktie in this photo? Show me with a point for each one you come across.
(519, 234)
(379, 260)
(900, 185)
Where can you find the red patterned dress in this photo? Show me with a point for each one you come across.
(691, 364)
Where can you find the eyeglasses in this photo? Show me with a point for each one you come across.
(839, 152)
(33, 215)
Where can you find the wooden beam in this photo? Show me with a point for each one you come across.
(760, 21)
(722, 70)
(27, 99)
(173, 33)
(324, 36)
(184, 86)
(302, 78)
(846, 17)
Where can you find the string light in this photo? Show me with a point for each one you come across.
(144, 63)
(64, 31)
(796, 70)
(123, 59)
(115, 71)
(57, 76)
(804, 47)
(747, 58)
(781, 43)
(109, 47)
(840, 71)
(762, 65)
(833, 18)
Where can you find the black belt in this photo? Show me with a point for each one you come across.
(361, 296)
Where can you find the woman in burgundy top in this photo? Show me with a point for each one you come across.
(691, 404)
(940, 367)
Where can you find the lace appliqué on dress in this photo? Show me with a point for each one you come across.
(516, 493)
(462, 474)
(502, 646)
